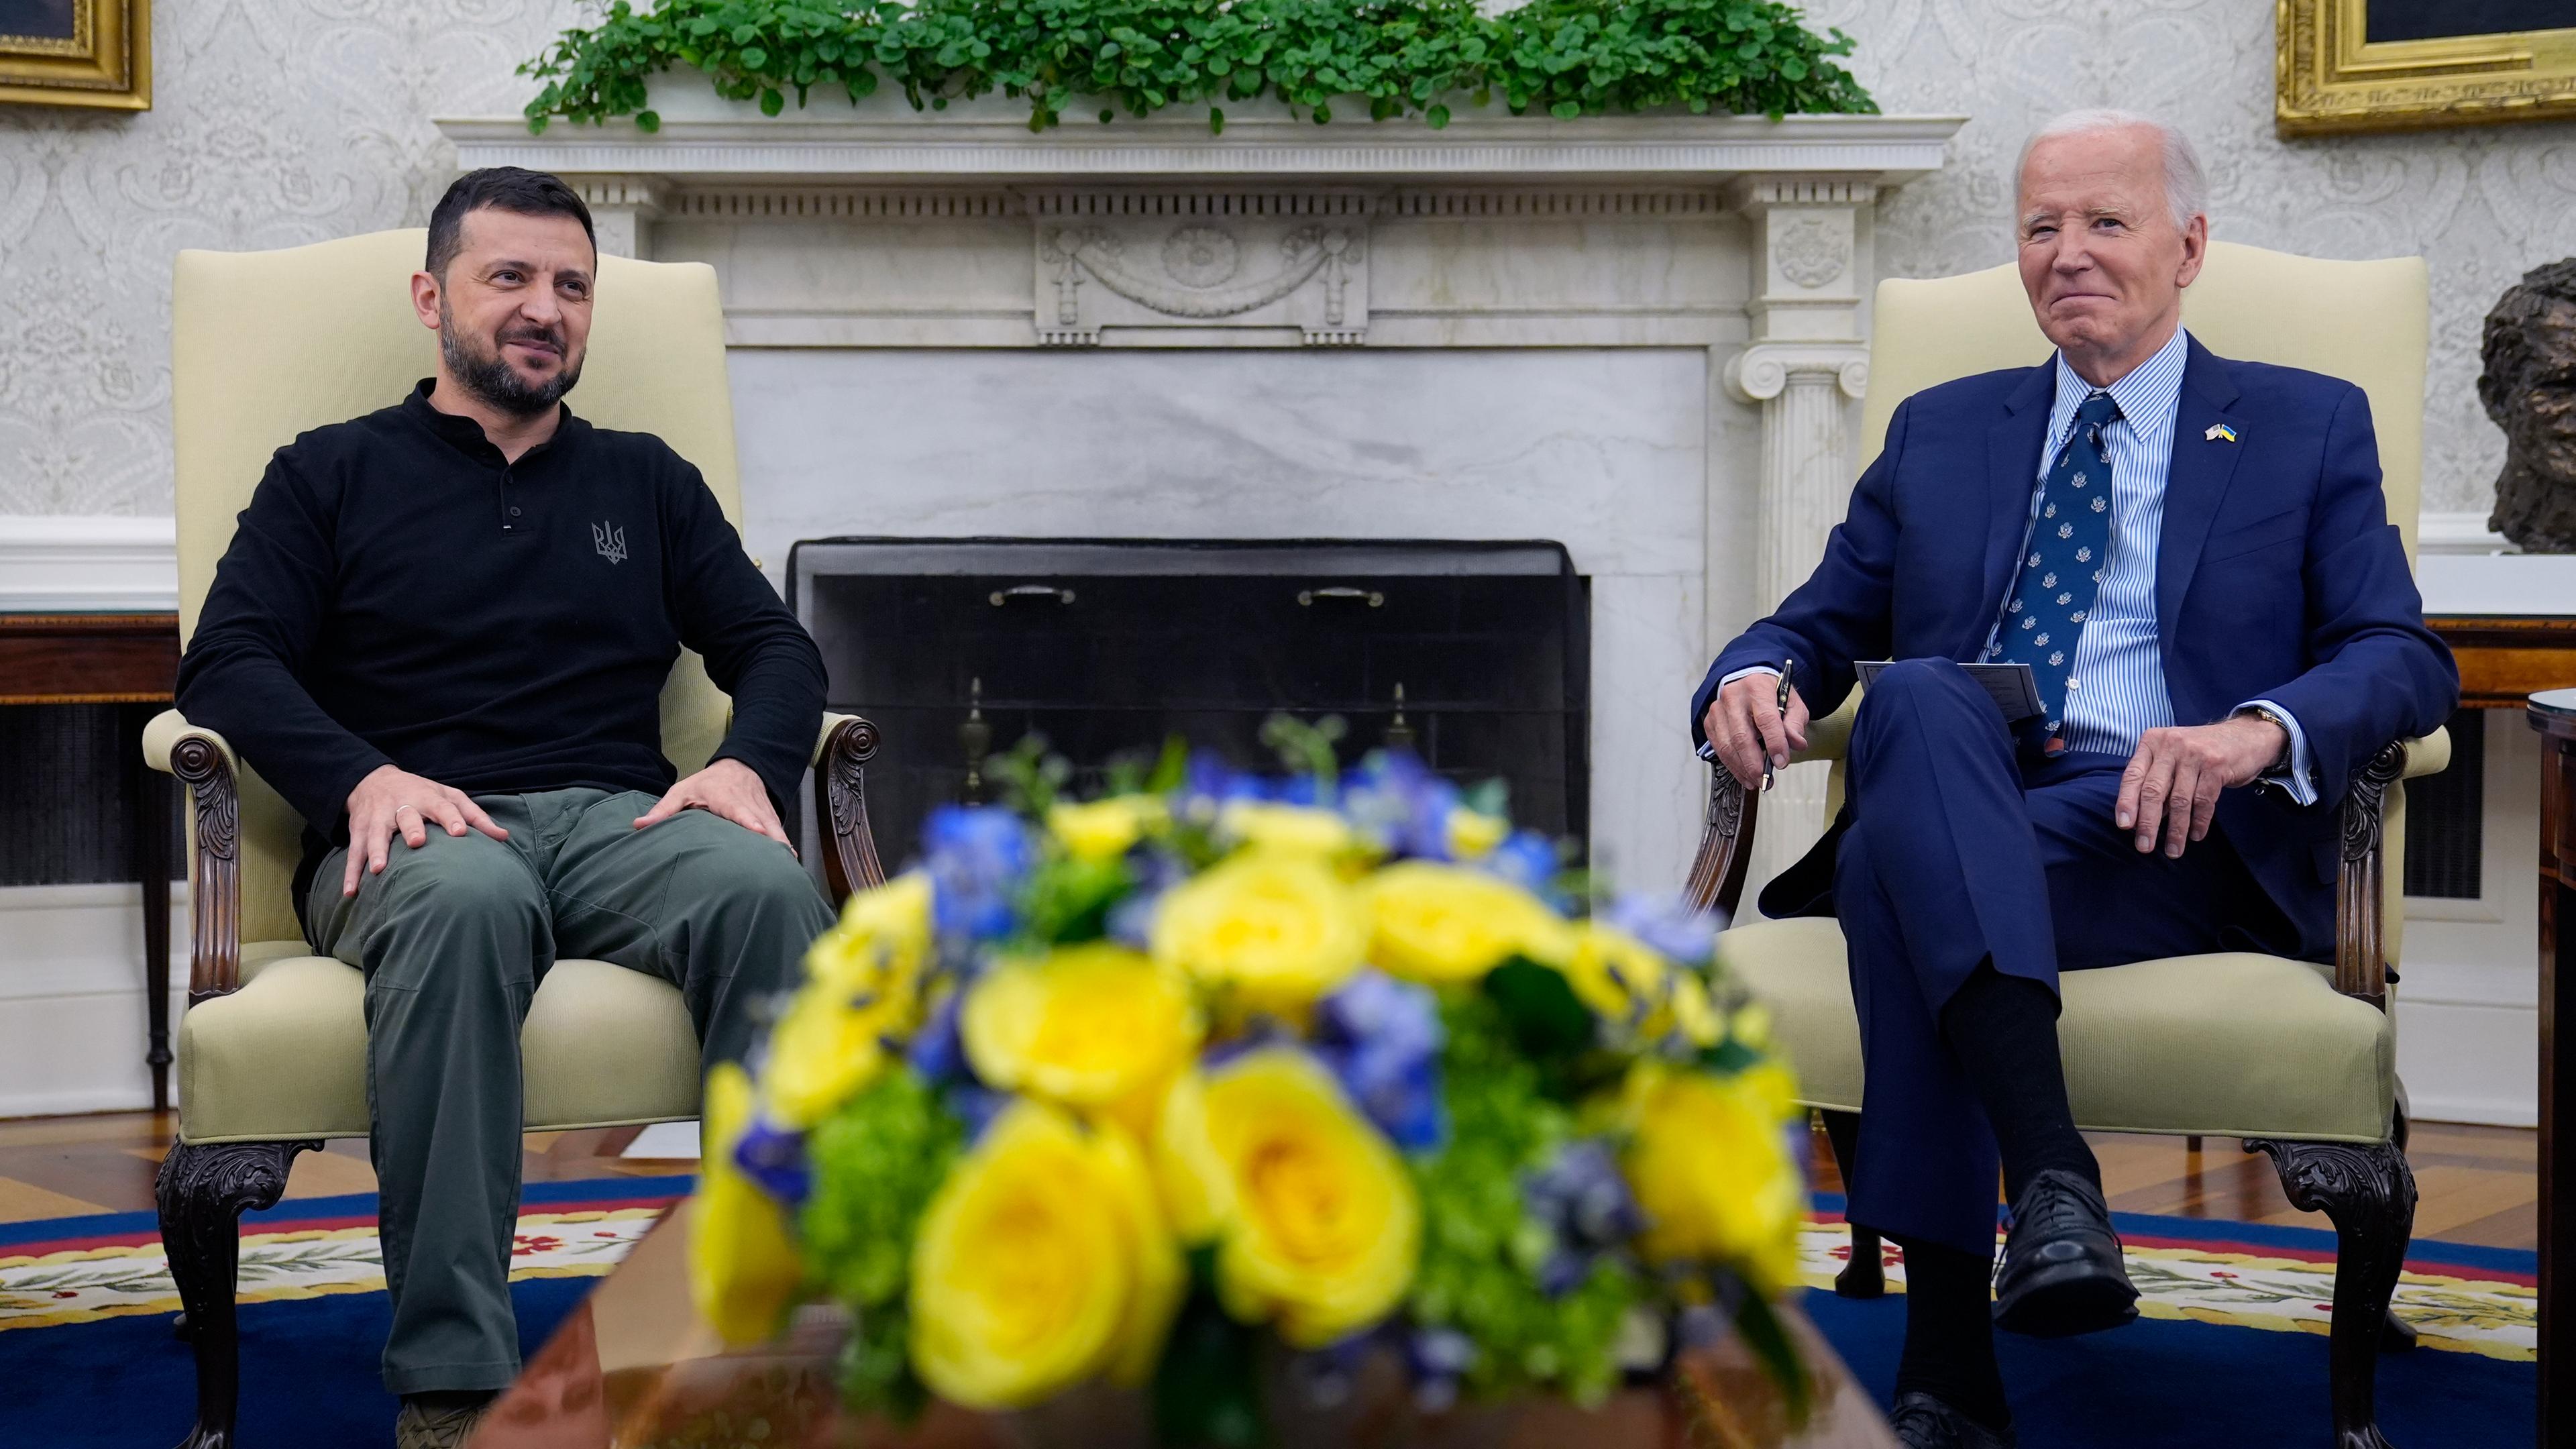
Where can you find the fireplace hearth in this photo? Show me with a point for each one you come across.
(1475, 655)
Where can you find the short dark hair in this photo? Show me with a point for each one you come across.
(501, 188)
(2511, 353)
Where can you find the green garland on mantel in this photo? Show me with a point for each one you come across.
(1565, 58)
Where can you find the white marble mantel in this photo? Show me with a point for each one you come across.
(1641, 336)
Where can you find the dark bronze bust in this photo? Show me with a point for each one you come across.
(2529, 388)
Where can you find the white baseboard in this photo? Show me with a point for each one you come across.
(96, 564)
(2470, 1063)
(72, 1014)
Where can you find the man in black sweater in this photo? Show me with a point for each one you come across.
(441, 632)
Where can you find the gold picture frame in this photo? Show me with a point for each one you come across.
(2332, 78)
(94, 53)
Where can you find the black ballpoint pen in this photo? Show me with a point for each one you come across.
(1788, 671)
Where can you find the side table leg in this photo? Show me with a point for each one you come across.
(150, 794)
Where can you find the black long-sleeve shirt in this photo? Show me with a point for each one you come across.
(398, 592)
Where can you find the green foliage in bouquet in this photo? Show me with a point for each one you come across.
(1220, 1073)
(876, 1161)
(1565, 58)
(1486, 1262)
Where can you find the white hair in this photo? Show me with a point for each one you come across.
(2186, 184)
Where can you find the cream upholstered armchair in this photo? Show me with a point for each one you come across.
(2297, 1060)
(273, 1047)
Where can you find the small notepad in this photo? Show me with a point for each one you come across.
(2010, 686)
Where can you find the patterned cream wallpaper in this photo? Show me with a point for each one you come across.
(285, 121)
(274, 122)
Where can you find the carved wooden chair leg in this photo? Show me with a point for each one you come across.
(202, 1192)
(1862, 1277)
(2369, 1192)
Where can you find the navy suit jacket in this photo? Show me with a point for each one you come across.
(2278, 576)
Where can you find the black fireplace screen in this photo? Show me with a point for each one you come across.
(1477, 654)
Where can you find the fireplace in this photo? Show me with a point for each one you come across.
(1640, 336)
(1476, 655)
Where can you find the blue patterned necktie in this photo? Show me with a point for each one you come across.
(2061, 570)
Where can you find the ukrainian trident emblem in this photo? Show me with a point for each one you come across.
(611, 542)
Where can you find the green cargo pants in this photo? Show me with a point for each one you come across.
(453, 938)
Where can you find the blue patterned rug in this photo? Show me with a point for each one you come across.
(2231, 1352)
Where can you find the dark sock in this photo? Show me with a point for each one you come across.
(1950, 1333)
(2004, 1031)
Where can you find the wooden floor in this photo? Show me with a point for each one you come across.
(53, 1167)
(2478, 1184)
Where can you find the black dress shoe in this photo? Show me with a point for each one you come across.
(1924, 1422)
(2062, 1272)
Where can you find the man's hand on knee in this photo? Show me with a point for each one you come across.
(2171, 788)
(727, 788)
(1744, 725)
(390, 800)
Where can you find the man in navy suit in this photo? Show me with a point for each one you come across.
(2194, 557)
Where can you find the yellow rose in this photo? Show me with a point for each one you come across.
(1698, 1017)
(1091, 1026)
(1104, 829)
(1277, 929)
(1472, 833)
(1290, 829)
(1615, 973)
(862, 988)
(1709, 1163)
(743, 1267)
(1438, 923)
(1042, 1261)
(882, 938)
(1316, 1223)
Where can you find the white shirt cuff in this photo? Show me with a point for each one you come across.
(2298, 778)
(1708, 751)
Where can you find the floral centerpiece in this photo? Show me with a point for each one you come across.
(1218, 1074)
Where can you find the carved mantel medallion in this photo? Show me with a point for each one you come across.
(1174, 263)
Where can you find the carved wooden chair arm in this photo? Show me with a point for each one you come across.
(206, 764)
(841, 754)
(2361, 957)
(1726, 841)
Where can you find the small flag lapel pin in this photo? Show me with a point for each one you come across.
(2218, 431)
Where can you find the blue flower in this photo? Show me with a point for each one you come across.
(975, 1106)
(774, 1158)
(1394, 799)
(1529, 860)
(1583, 1201)
(1381, 1037)
(977, 856)
(937, 1053)
(1675, 929)
(1437, 1358)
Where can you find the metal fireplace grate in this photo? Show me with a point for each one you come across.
(1107, 646)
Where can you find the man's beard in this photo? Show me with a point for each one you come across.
(489, 376)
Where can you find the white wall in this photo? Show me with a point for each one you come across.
(273, 123)
(2468, 1010)
(72, 1014)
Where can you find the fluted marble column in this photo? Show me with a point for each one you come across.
(1807, 356)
